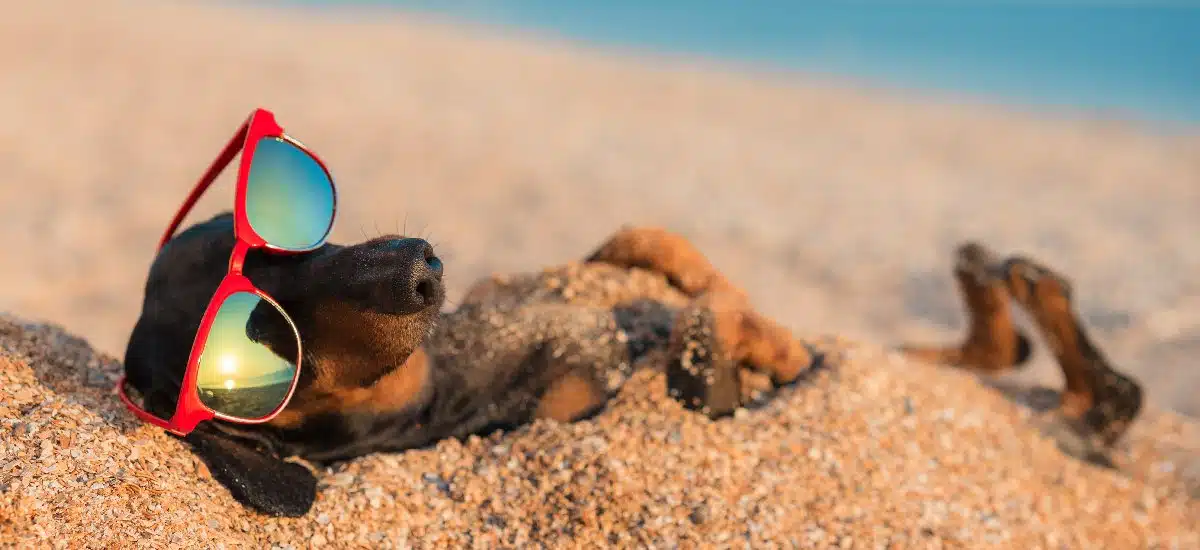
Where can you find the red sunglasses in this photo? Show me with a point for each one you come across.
(245, 359)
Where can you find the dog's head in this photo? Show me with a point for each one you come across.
(361, 312)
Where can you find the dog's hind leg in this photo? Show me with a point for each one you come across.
(993, 343)
(1099, 402)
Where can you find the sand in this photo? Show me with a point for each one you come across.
(870, 452)
(836, 206)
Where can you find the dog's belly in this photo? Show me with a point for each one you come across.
(515, 336)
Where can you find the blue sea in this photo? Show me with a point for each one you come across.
(1136, 61)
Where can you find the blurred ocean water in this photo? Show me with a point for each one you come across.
(1136, 61)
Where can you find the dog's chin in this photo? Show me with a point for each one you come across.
(403, 328)
(412, 328)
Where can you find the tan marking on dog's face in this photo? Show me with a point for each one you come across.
(569, 398)
(395, 391)
(355, 347)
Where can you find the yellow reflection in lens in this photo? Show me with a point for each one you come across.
(228, 364)
(248, 362)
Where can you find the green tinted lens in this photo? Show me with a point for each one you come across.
(289, 196)
(249, 358)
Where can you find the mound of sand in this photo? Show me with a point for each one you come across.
(872, 451)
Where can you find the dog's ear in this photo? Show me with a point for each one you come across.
(254, 478)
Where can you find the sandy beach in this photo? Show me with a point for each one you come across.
(871, 452)
(836, 207)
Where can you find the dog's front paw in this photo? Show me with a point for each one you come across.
(724, 354)
(256, 479)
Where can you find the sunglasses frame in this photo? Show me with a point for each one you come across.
(189, 410)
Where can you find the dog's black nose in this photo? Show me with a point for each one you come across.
(393, 275)
(418, 283)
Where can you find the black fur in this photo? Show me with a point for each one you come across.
(388, 276)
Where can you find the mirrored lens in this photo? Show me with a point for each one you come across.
(289, 196)
(249, 358)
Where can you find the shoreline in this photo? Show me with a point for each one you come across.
(764, 65)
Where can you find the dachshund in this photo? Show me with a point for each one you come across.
(385, 369)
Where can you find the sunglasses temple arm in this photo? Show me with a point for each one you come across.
(231, 150)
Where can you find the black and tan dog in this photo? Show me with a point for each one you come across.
(385, 370)
(1098, 403)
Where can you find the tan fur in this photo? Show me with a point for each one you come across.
(1046, 301)
(670, 254)
(992, 341)
(1098, 401)
(569, 398)
(748, 336)
(395, 391)
(755, 340)
(759, 347)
